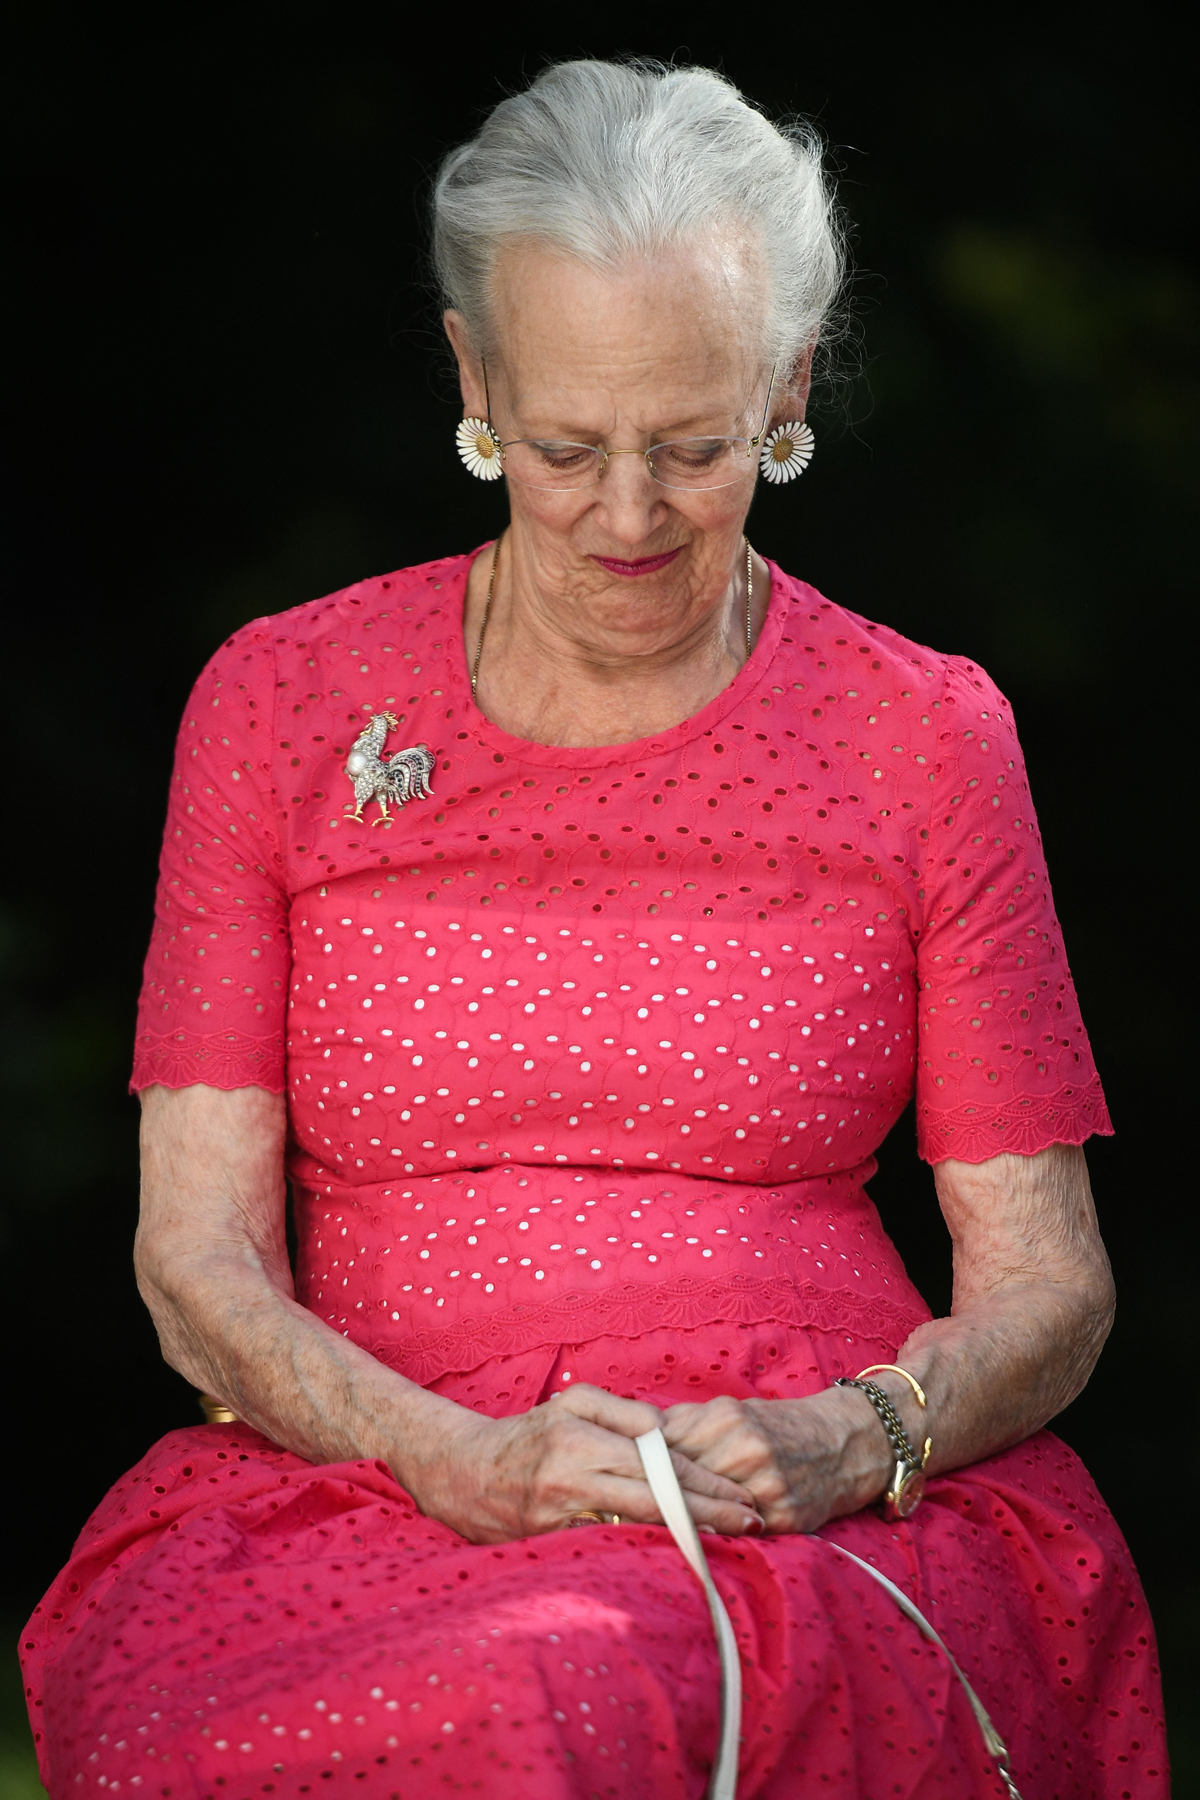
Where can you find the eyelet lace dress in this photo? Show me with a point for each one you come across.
(586, 1059)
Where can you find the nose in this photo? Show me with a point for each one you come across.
(632, 503)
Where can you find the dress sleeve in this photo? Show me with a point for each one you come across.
(215, 987)
(1003, 1061)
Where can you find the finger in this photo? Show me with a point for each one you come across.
(780, 1517)
(633, 1503)
(694, 1427)
(741, 1452)
(630, 1418)
(618, 1455)
(684, 1417)
(577, 1449)
(696, 1479)
(715, 1515)
(584, 1457)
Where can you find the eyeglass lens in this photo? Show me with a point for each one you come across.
(683, 463)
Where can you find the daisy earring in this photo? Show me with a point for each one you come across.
(480, 449)
(787, 452)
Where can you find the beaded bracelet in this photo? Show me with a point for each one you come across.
(889, 1418)
(907, 1486)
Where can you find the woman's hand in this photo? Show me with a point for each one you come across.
(1033, 1302)
(493, 1480)
(803, 1461)
(212, 1264)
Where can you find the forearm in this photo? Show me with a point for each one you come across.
(992, 1373)
(1033, 1304)
(226, 1327)
(212, 1266)
(1000, 1368)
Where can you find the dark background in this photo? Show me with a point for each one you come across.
(230, 398)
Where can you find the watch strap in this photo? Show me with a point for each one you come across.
(889, 1418)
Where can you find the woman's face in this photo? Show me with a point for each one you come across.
(662, 349)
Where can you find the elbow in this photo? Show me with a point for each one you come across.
(1102, 1304)
(157, 1270)
(1095, 1309)
(168, 1317)
(169, 1286)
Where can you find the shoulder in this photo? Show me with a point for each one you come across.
(860, 658)
(274, 650)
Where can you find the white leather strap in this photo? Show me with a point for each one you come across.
(668, 1497)
(993, 1742)
(664, 1485)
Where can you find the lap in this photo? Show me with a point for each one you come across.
(238, 1620)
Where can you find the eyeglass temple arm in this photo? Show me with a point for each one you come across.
(754, 441)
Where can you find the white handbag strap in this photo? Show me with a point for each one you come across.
(993, 1742)
(668, 1497)
(664, 1485)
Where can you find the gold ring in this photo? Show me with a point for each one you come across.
(595, 1518)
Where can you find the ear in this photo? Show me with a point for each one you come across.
(791, 396)
(470, 369)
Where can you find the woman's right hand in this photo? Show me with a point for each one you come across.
(212, 1263)
(494, 1480)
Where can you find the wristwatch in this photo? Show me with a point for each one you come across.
(906, 1489)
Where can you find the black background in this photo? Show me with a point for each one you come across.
(230, 397)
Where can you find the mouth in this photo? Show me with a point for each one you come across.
(641, 565)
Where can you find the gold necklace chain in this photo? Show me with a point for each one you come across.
(487, 607)
(749, 599)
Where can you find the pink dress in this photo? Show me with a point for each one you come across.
(586, 1059)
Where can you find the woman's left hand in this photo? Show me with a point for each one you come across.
(804, 1461)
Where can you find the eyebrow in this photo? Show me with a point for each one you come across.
(664, 433)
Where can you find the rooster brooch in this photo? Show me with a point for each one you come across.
(401, 778)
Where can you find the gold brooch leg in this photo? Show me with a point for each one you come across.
(385, 817)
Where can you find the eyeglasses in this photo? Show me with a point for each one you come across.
(557, 465)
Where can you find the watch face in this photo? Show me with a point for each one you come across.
(908, 1493)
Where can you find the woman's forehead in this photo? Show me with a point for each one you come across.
(684, 326)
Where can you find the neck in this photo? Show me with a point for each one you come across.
(554, 674)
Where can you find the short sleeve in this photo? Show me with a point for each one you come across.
(1003, 1061)
(215, 988)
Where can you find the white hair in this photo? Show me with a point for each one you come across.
(607, 160)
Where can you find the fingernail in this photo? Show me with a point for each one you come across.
(754, 1524)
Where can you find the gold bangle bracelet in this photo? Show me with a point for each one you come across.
(895, 1369)
(216, 1412)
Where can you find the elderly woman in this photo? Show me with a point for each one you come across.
(568, 923)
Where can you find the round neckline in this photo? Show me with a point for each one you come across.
(598, 755)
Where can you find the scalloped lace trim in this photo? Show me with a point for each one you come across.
(633, 1308)
(220, 1059)
(972, 1133)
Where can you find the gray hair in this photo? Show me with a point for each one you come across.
(605, 160)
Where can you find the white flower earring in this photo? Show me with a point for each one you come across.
(787, 452)
(478, 442)
(480, 449)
